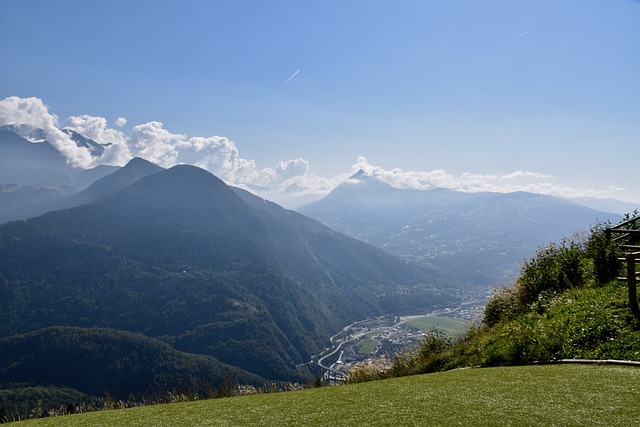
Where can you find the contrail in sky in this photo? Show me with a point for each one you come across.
(513, 38)
(292, 76)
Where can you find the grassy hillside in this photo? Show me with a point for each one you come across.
(566, 395)
(566, 304)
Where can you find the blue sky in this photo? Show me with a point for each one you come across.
(538, 95)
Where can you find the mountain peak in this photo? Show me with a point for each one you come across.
(96, 149)
(364, 180)
(359, 175)
(28, 132)
(189, 187)
(136, 169)
(139, 162)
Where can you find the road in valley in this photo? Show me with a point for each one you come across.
(351, 334)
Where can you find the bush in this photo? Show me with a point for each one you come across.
(503, 304)
(604, 254)
(554, 268)
(372, 371)
(433, 354)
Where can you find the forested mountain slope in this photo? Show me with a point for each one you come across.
(179, 256)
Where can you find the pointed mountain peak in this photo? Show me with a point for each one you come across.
(359, 175)
(183, 194)
(96, 149)
(362, 178)
(183, 181)
(136, 169)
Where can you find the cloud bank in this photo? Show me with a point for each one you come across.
(290, 182)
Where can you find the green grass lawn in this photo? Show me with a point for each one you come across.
(450, 326)
(547, 395)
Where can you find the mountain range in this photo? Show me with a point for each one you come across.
(26, 157)
(219, 282)
(34, 176)
(179, 256)
(478, 238)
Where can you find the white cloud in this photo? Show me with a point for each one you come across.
(525, 174)
(292, 168)
(153, 142)
(95, 128)
(220, 156)
(290, 182)
(217, 154)
(32, 111)
(469, 182)
(533, 182)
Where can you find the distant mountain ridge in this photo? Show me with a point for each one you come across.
(480, 238)
(178, 255)
(27, 158)
(136, 169)
(606, 205)
(34, 177)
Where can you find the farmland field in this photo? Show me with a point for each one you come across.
(367, 346)
(451, 326)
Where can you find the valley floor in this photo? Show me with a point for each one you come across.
(377, 340)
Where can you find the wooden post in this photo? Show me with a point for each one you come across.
(631, 283)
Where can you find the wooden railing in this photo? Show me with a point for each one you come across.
(627, 236)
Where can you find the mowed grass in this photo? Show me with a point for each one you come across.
(450, 326)
(541, 395)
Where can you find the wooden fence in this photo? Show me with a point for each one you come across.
(627, 236)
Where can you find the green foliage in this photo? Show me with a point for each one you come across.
(604, 253)
(433, 355)
(502, 304)
(368, 372)
(123, 364)
(554, 268)
(20, 401)
(562, 306)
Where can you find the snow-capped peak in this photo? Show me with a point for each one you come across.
(28, 132)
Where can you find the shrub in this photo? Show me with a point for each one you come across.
(369, 372)
(604, 253)
(501, 305)
(434, 355)
(554, 268)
